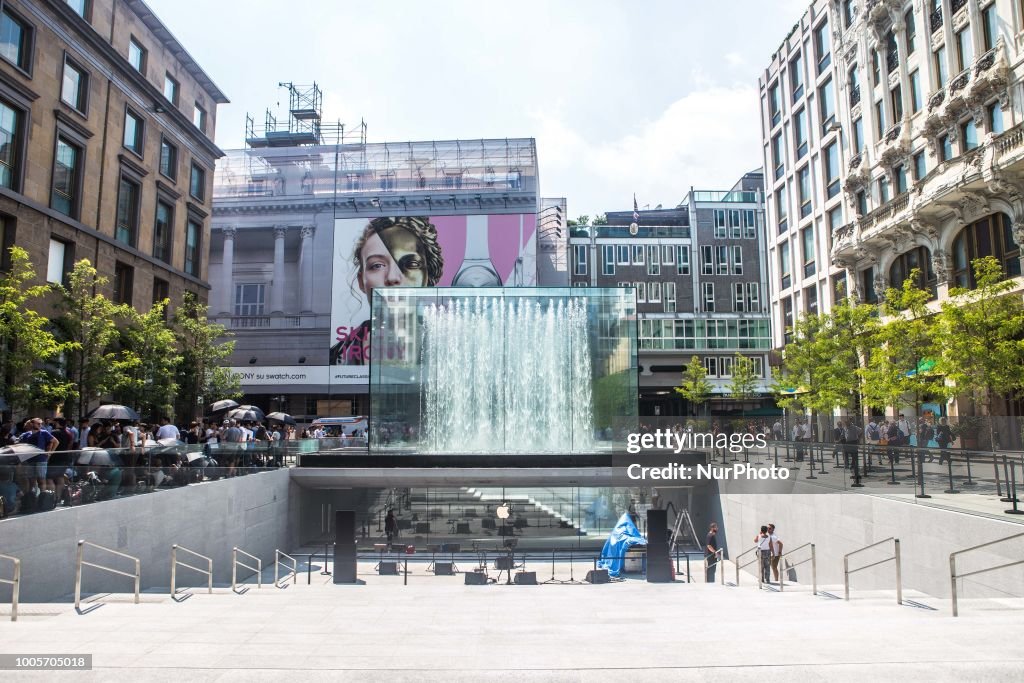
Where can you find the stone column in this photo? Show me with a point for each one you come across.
(277, 291)
(227, 270)
(306, 268)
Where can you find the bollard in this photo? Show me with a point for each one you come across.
(821, 454)
(967, 459)
(920, 474)
(309, 569)
(892, 470)
(405, 579)
(999, 486)
(810, 453)
(949, 470)
(856, 469)
(1012, 490)
(1011, 496)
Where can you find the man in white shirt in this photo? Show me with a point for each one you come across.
(167, 430)
(776, 547)
(904, 426)
(764, 551)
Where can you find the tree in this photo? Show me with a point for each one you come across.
(90, 326)
(895, 373)
(580, 221)
(199, 373)
(743, 384)
(981, 337)
(146, 371)
(600, 219)
(694, 386)
(26, 342)
(843, 345)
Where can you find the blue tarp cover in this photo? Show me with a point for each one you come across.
(624, 536)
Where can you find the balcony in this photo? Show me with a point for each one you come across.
(892, 60)
(935, 19)
(956, 5)
(289, 321)
(854, 95)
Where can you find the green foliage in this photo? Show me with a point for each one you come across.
(580, 221)
(89, 322)
(146, 369)
(600, 219)
(200, 376)
(26, 342)
(694, 386)
(743, 384)
(614, 397)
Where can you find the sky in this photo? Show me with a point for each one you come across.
(645, 97)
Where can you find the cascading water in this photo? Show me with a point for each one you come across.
(507, 375)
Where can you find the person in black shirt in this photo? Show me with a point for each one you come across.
(62, 457)
(710, 553)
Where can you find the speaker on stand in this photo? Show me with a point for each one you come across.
(659, 559)
(345, 546)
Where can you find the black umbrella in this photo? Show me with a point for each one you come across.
(225, 404)
(246, 414)
(19, 452)
(114, 412)
(282, 417)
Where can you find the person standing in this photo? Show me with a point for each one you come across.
(43, 440)
(390, 525)
(167, 430)
(776, 548)
(764, 550)
(711, 553)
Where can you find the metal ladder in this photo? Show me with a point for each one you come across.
(678, 528)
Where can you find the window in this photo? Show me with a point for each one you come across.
(827, 105)
(920, 259)
(134, 132)
(777, 158)
(708, 288)
(579, 254)
(910, 30)
(654, 292)
(831, 163)
(711, 366)
(900, 175)
(839, 287)
(896, 99)
(784, 265)
(737, 260)
(811, 300)
(805, 191)
(608, 259)
(162, 229)
(653, 262)
(919, 168)
(137, 55)
(853, 80)
(807, 238)
(796, 77)
(915, 92)
(161, 291)
(964, 48)
(781, 209)
(641, 292)
(774, 107)
(735, 229)
(737, 297)
(707, 263)
(249, 299)
(821, 47)
(880, 119)
(168, 160)
(79, 6)
(940, 67)
(15, 40)
(722, 259)
(945, 148)
(719, 221)
(199, 118)
(124, 279)
(849, 13)
(883, 189)
(11, 145)
(171, 89)
(991, 236)
(749, 224)
(969, 135)
(868, 286)
(193, 236)
(787, 318)
(59, 260)
(800, 133)
(67, 171)
(989, 26)
(622, 252)
(197, 182)
(892, 53)
(670, 297)
(725, 366)
(74, 86)
(995, 116)
(638, 255)
(876, 69)
(753, 299)
(682, 260)
(862, 203)
(858, 135)
(668, 255)
(835, 218)
(126, 226)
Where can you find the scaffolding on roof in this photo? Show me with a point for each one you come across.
(304, 125)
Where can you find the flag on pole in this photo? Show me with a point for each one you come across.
(636, 210)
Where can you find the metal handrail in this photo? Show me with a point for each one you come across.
(953, 576)
(175, 562)
(235, 564)
(15, 584)
(896, 556)
(757, 559)
(719, 559)
(814, 567)
(79, 563)
(277, 562)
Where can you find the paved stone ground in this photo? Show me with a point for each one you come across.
(437, 629)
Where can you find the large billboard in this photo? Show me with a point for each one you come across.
(418, 251)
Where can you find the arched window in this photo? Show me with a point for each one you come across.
(991, 236)
(919, 258)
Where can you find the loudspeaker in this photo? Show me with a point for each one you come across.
(388, 569)
(451, 547)
(443, 569)
(423, 527)
(526, 579)
(476, 579)
(659, 560)
(506, 562)
(345, 546)
(598, 576)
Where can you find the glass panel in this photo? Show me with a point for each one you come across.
(71, 86)
(10, 124)
(127, 211)
(65, 178)
(162, 232)
(13, 40)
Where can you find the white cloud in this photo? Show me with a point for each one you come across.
(735, 59)
(707, 139)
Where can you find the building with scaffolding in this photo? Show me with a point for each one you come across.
(291, 208)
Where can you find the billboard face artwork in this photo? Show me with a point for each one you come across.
(418, 251)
